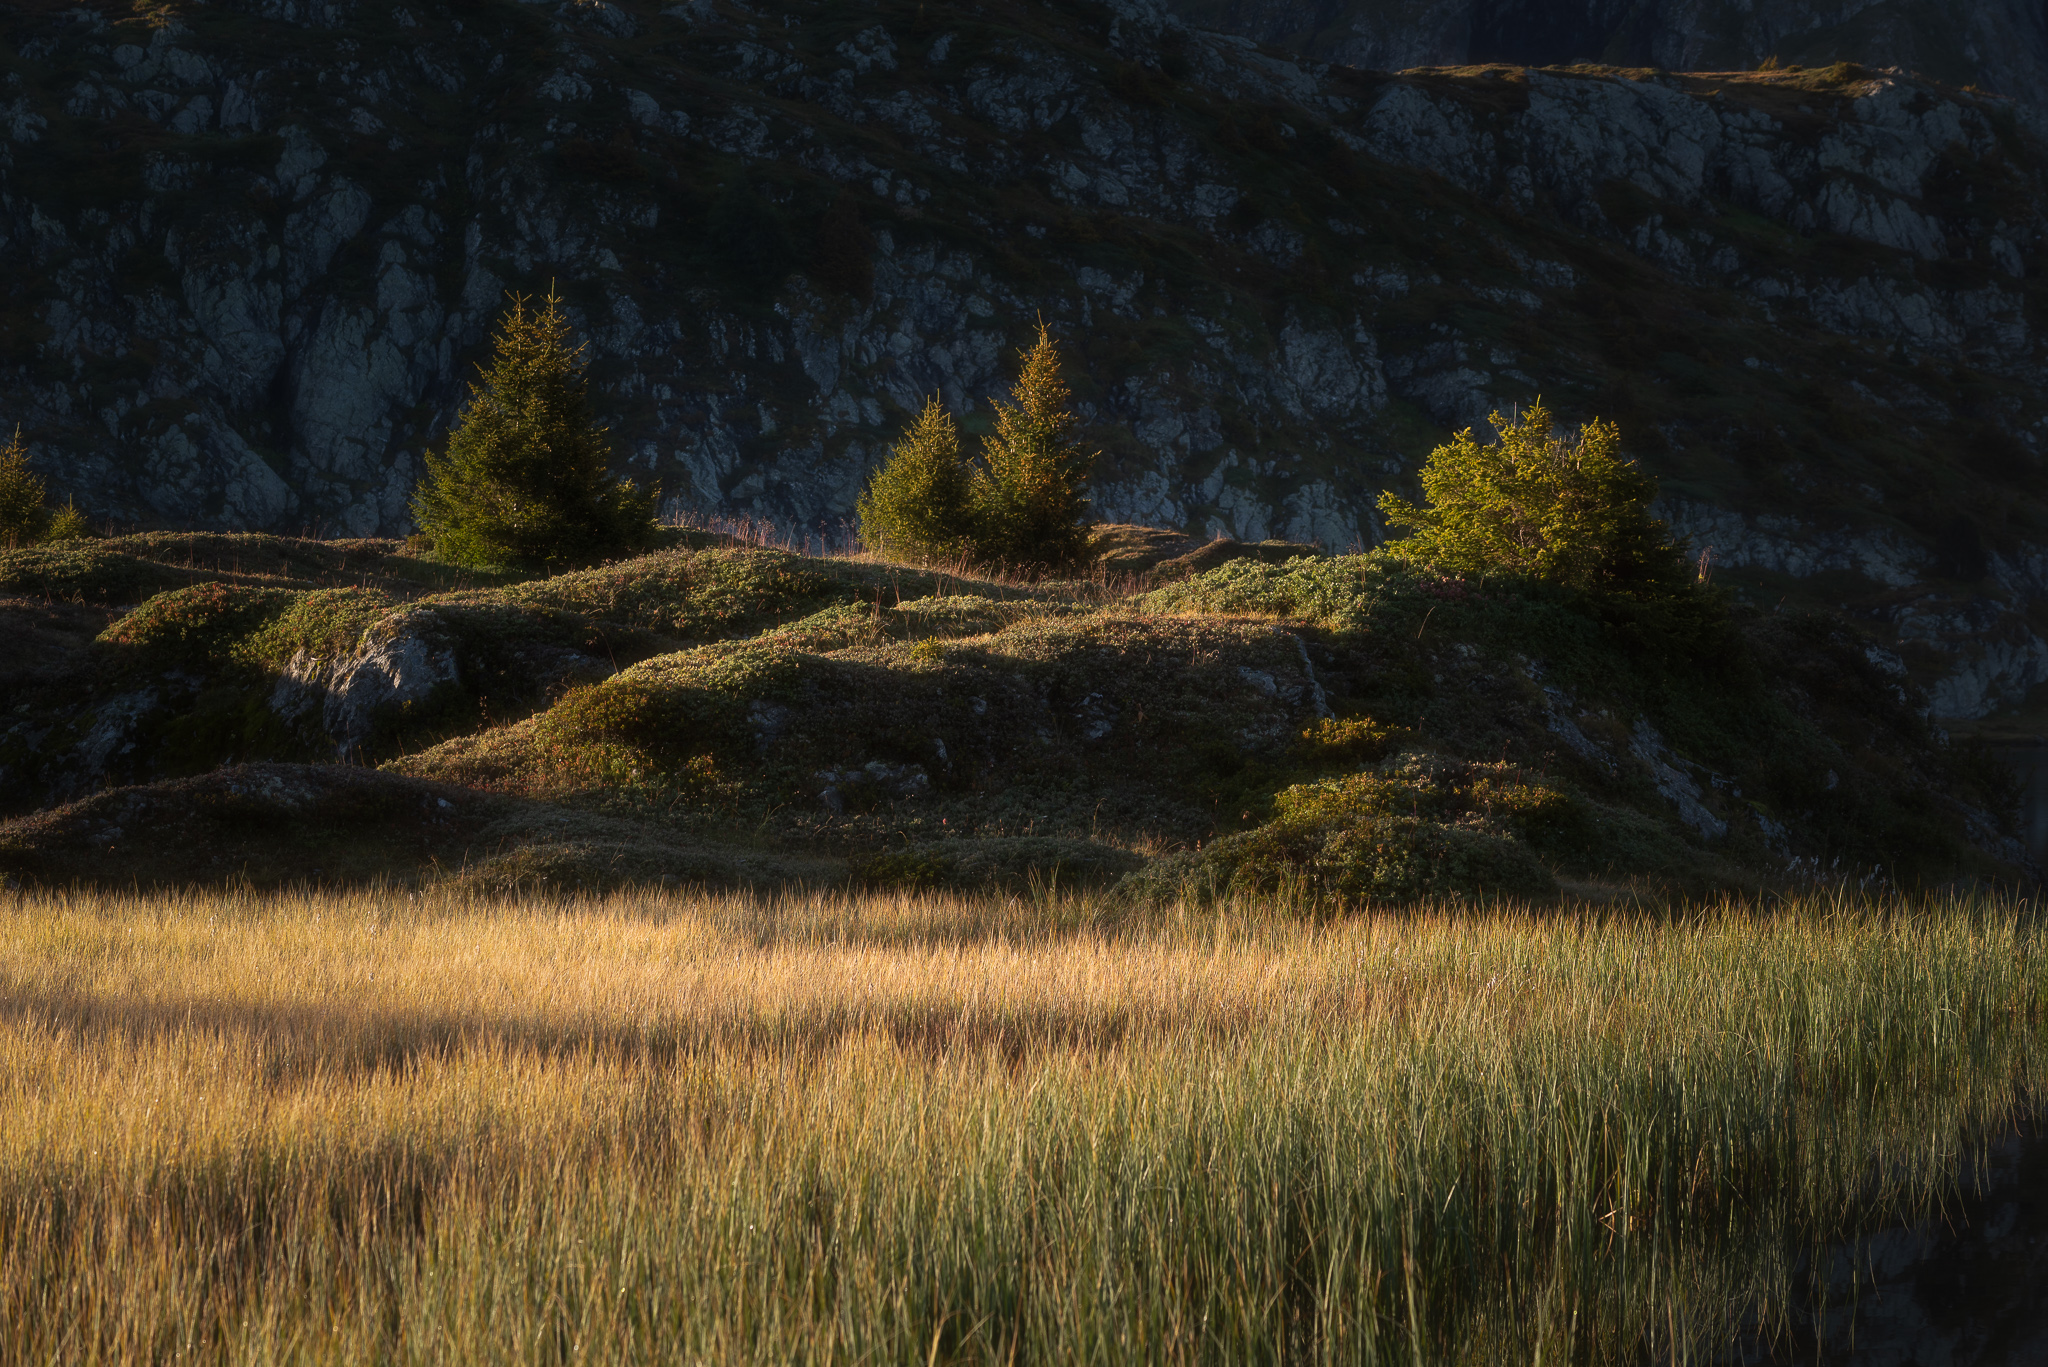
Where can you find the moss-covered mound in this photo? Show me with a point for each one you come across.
(128, 569)
(1353, 729)
(1144, 723)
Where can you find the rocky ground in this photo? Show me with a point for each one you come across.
(259, 248)
(2001, 45)
(1194, 716)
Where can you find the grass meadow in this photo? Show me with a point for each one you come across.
(397, 1127)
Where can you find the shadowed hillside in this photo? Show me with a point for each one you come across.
(1345, 730)
(1808, 296)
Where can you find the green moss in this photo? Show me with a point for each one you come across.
(321, 623)
(1335, 741)
(89, 573)
(196, 625)
(1333, 591)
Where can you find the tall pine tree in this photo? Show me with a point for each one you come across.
(1030, 500)
(22, 515)
(525, 479)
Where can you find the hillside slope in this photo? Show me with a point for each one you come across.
(260, 248)
(2001, 45)
(1348, 728)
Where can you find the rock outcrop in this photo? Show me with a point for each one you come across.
(1999, 44)
(1807, 296)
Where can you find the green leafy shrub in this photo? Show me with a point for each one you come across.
(1334, 741)
(524, 481)
(1570, 511)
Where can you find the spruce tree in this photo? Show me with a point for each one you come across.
(1030, 501)
(525, 479)
(68, 524)
(22, 515)
(918, 505)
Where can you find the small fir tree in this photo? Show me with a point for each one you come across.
(1570, 510)
(22, 515)
(918, 506)
(525, 479)
(68, 524)
(1030, 500)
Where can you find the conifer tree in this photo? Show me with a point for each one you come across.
(22, 515)
(68, 523)
(1571, 510)
(524, 481)
(1030, 501)
(918, 505)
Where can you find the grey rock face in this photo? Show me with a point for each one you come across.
(1999, 44)
(354, 695)
(1280, 283)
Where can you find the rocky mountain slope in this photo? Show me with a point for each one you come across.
(259, 250)
(2001, 45)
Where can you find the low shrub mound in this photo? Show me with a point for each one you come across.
(260, 824)
(1349, 864)
(219, 673)
(689, 595)
(236, 625)
(1423, 826)
(1146, 720)
(1355, 729)
(86, 572)
(1223, 551)
(1336, 592)
(129, 569)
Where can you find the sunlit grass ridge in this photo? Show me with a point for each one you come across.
(326, 1128)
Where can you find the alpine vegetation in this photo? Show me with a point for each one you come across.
(1567, 509)
(1023, 506)
(523, 482)
(919, 505)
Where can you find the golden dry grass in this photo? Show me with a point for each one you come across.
(377, 1127)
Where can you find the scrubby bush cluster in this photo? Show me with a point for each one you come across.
(1567, 510)
(1419, 826)
(1023, 504)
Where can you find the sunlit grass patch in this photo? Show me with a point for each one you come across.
(402, 1126)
